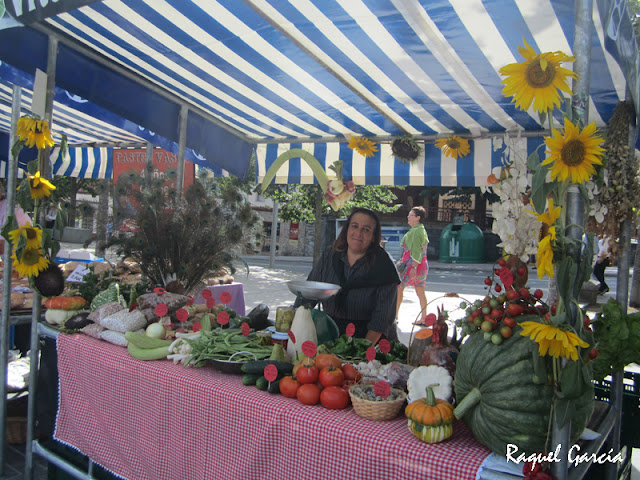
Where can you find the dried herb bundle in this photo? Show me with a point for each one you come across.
(178, 241)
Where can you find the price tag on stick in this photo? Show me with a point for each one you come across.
(309, 348)
(382, 389)
(161, 309)
(385, 346)
(222, 318)
(246, 329)
(291, 336)
(371, 353)
(182, 315)
(206, 294)
(271, 373)
(351, 330)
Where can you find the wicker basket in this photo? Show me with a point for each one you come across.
(378, 411)
(16, 430)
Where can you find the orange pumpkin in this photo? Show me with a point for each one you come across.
(65, 303)
(430, 419)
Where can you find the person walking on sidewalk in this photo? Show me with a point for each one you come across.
(602, 262)
(414, 256)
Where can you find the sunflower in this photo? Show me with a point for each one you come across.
(31, 262)
(544, 257)
(554, 340)
(35, 132)
(550, 215)
(362, 145)
(454, 146)
(574, 153)
(32, 235)
(537, 79)
(39, 187)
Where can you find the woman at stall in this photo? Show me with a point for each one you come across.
(367, 277)
(414, 257)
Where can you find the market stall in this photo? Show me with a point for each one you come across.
(156, 420)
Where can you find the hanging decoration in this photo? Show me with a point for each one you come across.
(406, 148)
(362, 145)
(454, 146)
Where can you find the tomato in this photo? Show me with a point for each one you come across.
(487, 281)
(308, 394)
(502, 262)
(524, 292)
(509, 322)
(498, 287)
(307, 374)
(350, 373)
(513, 295)
(513, 309)
(538, 294)
(334, 398)
(505, 331)
(324, 360)
(331, 377)
(289, 386)
(593, 354)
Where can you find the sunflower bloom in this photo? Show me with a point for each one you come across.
(40, 187)
(32, 235)
(454, 146)
(34, 132)
(31, 262)
(538, 79)
(553, 340)
(544, 257)
(363, 146)
(574, 153)
(550, 215)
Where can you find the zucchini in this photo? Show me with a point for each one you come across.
(250, 378)
(274, 387)
(262, 383)
(257, 366)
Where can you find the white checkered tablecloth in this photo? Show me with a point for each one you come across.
(156, 420)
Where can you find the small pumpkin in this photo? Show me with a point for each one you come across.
(430, 418)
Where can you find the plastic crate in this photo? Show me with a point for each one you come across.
(630, 434)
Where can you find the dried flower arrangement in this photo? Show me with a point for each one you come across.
(179, 241)
(406, 148)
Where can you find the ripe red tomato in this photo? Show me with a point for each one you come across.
(289, 386)
(350, 373)
(307, 374)
(498, 287)
(308, 394)
(524, 292)
(593, 354)
(326, 360)
(538, 293)
(487, 281)
(513, 295)
(331, 377)
(513, 309)
(502, 262)
(334, 398)
(509, 322)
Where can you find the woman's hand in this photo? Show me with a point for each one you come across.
(373, 336)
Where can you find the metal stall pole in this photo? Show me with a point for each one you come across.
(575, 203)
(274, 233)
(34, 356)
(6, 275)
(182, 143)
(616, 394)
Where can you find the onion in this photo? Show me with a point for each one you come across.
(155, 330)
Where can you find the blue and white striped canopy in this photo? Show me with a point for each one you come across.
(309, 73)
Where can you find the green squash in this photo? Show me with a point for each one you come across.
(502, 401)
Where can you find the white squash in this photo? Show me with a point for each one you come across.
(420, 378)
(55, 316)
(303, 329)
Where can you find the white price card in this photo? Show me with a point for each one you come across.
(77, 275)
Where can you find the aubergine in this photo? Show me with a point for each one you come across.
(259, 317)
(78, 321)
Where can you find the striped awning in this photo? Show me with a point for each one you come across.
(313, 72)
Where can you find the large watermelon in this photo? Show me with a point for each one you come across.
(500, 401)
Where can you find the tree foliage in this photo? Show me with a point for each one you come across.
(297, 202)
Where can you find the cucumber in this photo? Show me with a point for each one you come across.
(274, 387)
(250, 378)
(257, 366)
(262, 383)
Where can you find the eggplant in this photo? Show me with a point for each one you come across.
(78, 321)
(259, 317)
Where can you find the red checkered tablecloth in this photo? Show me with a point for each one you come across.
(156, 420)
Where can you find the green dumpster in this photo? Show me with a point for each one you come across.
(462, 243)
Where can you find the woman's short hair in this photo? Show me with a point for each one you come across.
(420, 212)
(340, 245)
